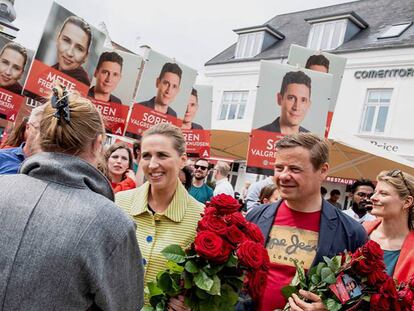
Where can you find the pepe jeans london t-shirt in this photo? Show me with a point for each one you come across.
(294, 236)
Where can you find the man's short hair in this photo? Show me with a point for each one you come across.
(320, 60)
(170, 67)
(298, 77)
(335, 192)
(223, 168)
(361, 182)
(194, 93)
(202, 159)
(318, 147)
(323, 191)
(113, 57)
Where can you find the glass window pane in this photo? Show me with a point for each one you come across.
(236, 97)
(395, 30)
(385, 96)
(317, 32)
(374, 96)
(244, 96)
(250, 43)
(257, 48)
(232, 112)
(223, 111)
(326, 37)
(241, 46)
(336, 37)
(226, 96)
(368, 119)
(242, 109)
(381, 119)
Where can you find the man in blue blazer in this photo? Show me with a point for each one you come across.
(301, 226)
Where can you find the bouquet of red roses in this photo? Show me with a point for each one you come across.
(353, 281)
(227, 254)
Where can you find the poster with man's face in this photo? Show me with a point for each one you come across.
(288, 101)
(113, 85)
(321, 62)
(68, 53)
(163, 92)
(14, 63)
(196, 123)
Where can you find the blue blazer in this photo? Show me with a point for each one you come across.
(337, 232)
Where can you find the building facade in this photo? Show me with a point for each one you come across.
(375, 101)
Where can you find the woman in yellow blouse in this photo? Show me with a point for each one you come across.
(162, 209)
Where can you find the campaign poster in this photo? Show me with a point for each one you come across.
(289, 100)
(196, 123)
(68, 53)
(112, 87)
(322, 62)
(163, 92)
(14, 63)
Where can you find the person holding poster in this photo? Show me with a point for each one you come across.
(294, 101)
(108, 73)
(318, 63)
(73, 42)
(190, 113)
(168, 86)
(13, 58)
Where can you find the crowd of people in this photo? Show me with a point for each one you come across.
(83, 224)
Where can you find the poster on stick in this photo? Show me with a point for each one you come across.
(289, 100)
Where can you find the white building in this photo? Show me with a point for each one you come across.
(376, 100)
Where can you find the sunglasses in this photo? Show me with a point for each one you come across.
(203, 168)
(396, 173)
(364, 195)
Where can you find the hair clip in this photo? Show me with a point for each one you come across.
(61, 104)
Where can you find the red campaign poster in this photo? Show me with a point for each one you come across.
(114, 115)
(10, 104)
(42, 78)
(198, 143)
(328, 123)
(142, 118)
(261, 154)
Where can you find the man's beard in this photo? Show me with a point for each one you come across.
(199, 178)
(362, 207)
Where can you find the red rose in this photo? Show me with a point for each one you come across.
(254, 233)
(266, 259)
(208, 244)
(210, 211)
(373, 259)
(224, 254)
(406, 297)
(256, 283)
(234, 235)
(235, 219)
(250, 254)
(377, 278)
(411, 282)
(386, 298)
(225, 204)
(212, 223)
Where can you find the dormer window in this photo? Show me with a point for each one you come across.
(254, 40)
(330, 32)
(395, 30)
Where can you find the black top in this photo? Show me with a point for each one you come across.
(196, 126)
(14, 88)
(151, 104)
(112, 98)
(274, 127)
(79, 74)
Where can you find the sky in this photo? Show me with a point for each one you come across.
(192, 32)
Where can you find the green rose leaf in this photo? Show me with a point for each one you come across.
(174, 253)
(327, 276)
(215, 289)
(191, 267)
(147, 308)
(164, 282)
(287, 291)
(229, 295)
(319, 267)
(153, 289)
(160, 306)
(188, 280)
(315, 279)
(203, 281)
(202, 294)
(332, 304)
(174, 267)
(232, 262)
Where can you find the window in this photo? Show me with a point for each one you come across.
(328, 35)
(249, 44)
(233, 105)
(395, 30)
(376, 109)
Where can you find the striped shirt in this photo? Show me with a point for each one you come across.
(177, 225)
